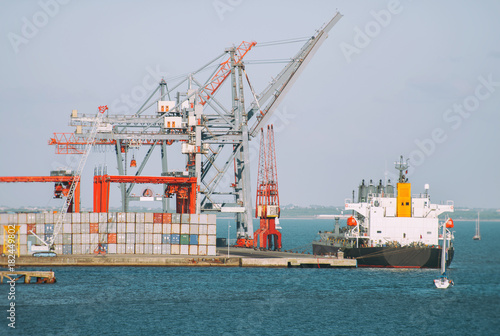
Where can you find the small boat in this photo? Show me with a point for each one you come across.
(443, 281)
(477, 236)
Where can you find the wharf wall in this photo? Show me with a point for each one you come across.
(118, 232)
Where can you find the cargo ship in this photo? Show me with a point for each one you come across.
(390, 227)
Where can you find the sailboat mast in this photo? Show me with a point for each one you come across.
(443, 252)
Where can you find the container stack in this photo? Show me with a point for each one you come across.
(117, 233)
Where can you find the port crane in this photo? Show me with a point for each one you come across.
(267, 200)
(48, 245)
(213, 135)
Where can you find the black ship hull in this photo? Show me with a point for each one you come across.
(404, 257)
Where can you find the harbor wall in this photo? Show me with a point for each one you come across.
(118, 232)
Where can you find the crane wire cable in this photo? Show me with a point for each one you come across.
(277, 42)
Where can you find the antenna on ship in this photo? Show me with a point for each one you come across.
(402, 166)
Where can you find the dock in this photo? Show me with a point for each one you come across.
(27, 276)
(238, 257)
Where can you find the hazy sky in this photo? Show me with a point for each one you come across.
(413, 78)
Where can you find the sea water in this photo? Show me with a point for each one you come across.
(255, 301)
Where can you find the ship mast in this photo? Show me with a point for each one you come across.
(402, 166)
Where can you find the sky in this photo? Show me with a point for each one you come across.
(414, 78)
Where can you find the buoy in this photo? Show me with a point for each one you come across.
(449, 223)
(133, 163)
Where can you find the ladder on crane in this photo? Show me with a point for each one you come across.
(48, 247)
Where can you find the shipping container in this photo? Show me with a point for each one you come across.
(148, 217)
(86, 249)
(148, 228)
(76, 238)
(121, 217)
(176, 218)
(67, 239)
(58, 249)
(94, 227)
(120, 248)
(121, 238)
(193, 249)
(23, 239)
(111, 238)
(66, 249)
(31, 218)
(203, 239)
(156, 248)
(49, 228)
(103, 238)
(76, 228)
(94, 217)
(157, 228)
(203, 219)
(85, 228)
(184, 218)
(103, 217)
(167, 218)
(202, 229)
(112, 227)
(176, 228)
(112, 217)
(165, 249)
(212, 229)
(157, 218)
(184, 249)
(85, 238)
(175, 249)
(139, 238)
(176, 238)
(58, 239)
(211, 250)
(130, 238)
(112, 248)
(85, 217)
(30, 228)
(139, 217)
(193, 229)
(212, 240)
(184, 239)
(148, 248)
(202, 250)
(22, 218)
(184, 228)
(139, 248)
(167, 228)
(139, 228)
(148, 238)
(130, 227)
(166, 239)
(121, 228)
(40, 229)
(157, 238)
(49, 218)
(39, 218)
(66, 228)
(130, 216)
(130, 248)
(103, 227)
(193, 239)
(75, 218)
(212, 219)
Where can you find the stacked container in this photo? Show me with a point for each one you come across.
(117, 233)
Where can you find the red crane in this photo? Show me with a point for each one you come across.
(268, 202)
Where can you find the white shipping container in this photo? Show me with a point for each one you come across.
(148, 248)
(85, 217)
(202, 250)
(103, 238)
(103, 217)
(112, 217)
(139, 248)
(31, 218)
(211, 250)
(58, 250)
(130, 227)
(4, 219)
(148, 217)
(130, 238)
(193, 229)
(176, 228)
(76, 228)
(77, 239)
(193, 249)
(76, 249)
(103, 227)
(184, 228)
(203, 239)
(167, 228)
(121, 217)
(67, 228)
(112, 248)
(202, 229)
(49, 218)
(40, 229)
(76, 218)
(121, 238)
(148, 238)
(176, 218)
(148, 228)
(212, 229)
(139, 217)
(165, 249)
(23, 239)
(120, 248)
(175, 249)
(156, 248)
(157, 227)
(94, 238)
(111, 228)
(94, 217)
(22, 218)
(86, 249)
(85, 238)
(212, 240)
(185, 218)
(139, 228)
(130, 217)
(139, 238)
(184, 249)
(57, 241)
(23, 228)
(130, 248)
(157, 238)
(85, 228)
(203, 219)
(212, 219)
(39, 218)
(121, 228)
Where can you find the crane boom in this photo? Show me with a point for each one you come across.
(274, 93)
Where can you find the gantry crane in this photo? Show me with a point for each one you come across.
(267, 202)
(214, 136)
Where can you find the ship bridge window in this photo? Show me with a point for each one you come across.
(379, 231)
(404, 235)
(407, 203)
(429, 232)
